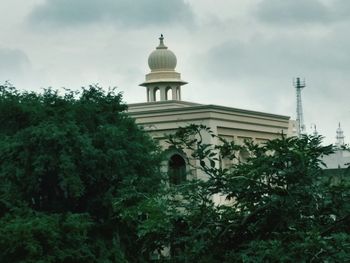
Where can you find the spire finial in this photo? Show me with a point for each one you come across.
(161, 43)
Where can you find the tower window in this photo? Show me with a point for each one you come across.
(156, 94)
(177, 170)
(169, 93)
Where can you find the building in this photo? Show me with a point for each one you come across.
(340, 159)
(165, 111)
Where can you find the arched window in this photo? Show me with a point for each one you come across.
(177, 170)
(156, 94)
(169, 93)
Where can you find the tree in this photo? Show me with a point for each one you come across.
(279, 207)
(71, 167)
(80, 182)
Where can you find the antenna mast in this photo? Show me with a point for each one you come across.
(299, 85)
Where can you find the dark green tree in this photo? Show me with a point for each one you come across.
(279, 206)
(71, 167)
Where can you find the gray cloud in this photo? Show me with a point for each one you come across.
(296, 12)
(293, 11)
(278, 55)
(341, 9)
(124, 12)
(301, 12)
(13, 64)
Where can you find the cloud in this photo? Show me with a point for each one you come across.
(341, 9)
(124, 12)
(13, 64)
(301, 12)
(278, 55)
(292, 11)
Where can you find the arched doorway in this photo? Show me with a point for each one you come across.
(177, 169)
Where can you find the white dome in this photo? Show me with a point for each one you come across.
(162, 59)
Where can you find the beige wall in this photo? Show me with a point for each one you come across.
(162, 118)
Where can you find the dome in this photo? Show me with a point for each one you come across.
(162, 59)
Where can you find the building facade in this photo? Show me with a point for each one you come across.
(165, 111)
(340, 159)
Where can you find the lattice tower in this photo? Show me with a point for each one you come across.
(299, 85)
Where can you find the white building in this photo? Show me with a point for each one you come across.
(341, 157)
(164, 111)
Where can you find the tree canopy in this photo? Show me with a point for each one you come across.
(279, 206)
(70, 166)
(80, 182)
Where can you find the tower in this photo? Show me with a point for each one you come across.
(340, 137)
(299, 85)
(163, 78)
(314, 130)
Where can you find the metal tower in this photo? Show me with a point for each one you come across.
(299, 85)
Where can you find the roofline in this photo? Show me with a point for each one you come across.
(165, 102)
(181, 82)
(213, 106)
(196, 106)
(192, 120)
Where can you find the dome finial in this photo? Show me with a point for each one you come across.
(161, 43)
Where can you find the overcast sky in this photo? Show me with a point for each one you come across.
(242, 54)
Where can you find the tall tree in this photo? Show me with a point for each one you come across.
(279, 207)
(70, 167)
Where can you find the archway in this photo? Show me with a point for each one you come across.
(169, 93)
(156, 94)
(177, 169)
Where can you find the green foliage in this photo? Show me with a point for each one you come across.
(278, 206)
(42, 237)
(65, 162)
(81, 183)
